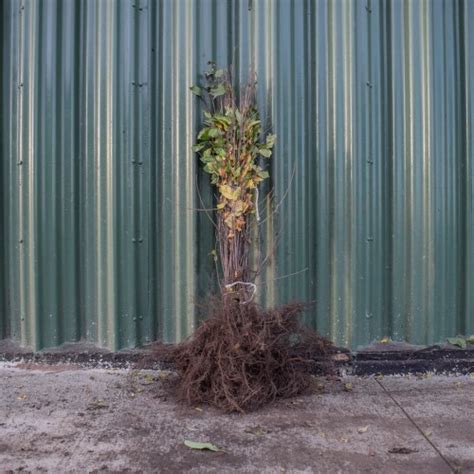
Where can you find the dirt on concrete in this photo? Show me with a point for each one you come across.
(67, 418)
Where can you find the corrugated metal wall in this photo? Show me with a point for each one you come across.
(372, 102)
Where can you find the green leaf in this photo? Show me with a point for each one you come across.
(263, 174)
(201, 446)
(219, 73)
(265, 152)
(208, 168)
(207, 158)
(198, 147)
(214, 132)
(457, 341)
(470, 339)
(270, 140)
(203, 134)
(196, 90)
(218, 90)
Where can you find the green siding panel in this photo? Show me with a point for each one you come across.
(372, 102)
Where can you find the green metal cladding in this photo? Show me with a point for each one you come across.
(372, 103)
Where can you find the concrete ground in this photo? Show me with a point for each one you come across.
(71, 419)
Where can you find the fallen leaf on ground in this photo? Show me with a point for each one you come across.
(340, 357)
(295, 403)
(363, 429)
(402, 450)
(21, 397)
(256, 430)
(348, 387)
(198, 409)
(457, 341)
(201, 446)
(97, 405)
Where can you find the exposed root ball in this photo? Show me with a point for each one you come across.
(243, 356)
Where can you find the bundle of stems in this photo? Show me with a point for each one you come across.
(231, 146)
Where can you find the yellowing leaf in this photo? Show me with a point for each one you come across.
(253, 123)
(385, 340)
(229, 193)
(363, 429)
(239, 207)
(229, 221)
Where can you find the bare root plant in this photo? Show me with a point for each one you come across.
(242, 356)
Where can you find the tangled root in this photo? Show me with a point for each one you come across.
(242, 356)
